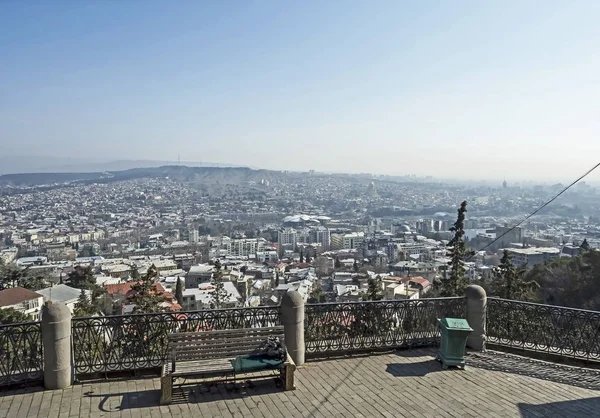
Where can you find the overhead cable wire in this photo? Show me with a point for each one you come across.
(538, 209)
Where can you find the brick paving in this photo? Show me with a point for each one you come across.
(403, 384)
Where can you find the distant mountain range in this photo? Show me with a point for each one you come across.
(36, 164)
(198, 175)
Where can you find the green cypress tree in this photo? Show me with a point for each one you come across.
(219, 296)
(585, 246)
(179, 291)
(456, 281)
(84, 306)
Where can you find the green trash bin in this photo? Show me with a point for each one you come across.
(454, 341)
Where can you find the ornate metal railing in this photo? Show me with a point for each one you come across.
(21, 356)
(354, 326)
(544, 328)
(140, 341)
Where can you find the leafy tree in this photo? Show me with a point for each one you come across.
(84, 307)
(144, 294)
(374, 291)
(456, 282)
(83, 278)
(135, 274)
(34, 282)
(12, 316)
(509, 282)
(301, 256)
(12, 276)
(219, 296)
(569, 281)
(179, 291)
(337, 263)
(317, 294)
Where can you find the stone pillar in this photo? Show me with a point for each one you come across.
(292, 318)
(56, 337)
(476, 316)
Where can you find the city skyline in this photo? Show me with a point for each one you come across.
(471, 92)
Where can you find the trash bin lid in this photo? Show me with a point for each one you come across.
(455, 323)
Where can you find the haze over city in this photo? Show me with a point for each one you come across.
(470, 90)
(282, 208)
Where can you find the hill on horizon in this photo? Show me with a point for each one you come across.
(37, 164)
(206, 175)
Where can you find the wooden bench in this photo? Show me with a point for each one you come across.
(210, 353)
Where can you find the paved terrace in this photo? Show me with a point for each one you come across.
(407, 383)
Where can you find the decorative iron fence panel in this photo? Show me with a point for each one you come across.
(21, 355)
(140, 341)
(544, 328)
(345, 327)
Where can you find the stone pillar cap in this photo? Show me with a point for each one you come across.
(474, 291)
(55, 312)
(292, 299)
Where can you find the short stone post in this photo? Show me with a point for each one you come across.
(56, 337)
(476, 316)
(292, 318)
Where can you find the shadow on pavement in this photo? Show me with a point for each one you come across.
(196, 392)
(558, 373)
(573, 409)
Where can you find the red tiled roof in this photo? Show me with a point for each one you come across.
(420, 280)
(125, 288)
(118, 289)
(303, 265)
(15, 295)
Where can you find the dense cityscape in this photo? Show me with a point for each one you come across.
(299, 209)
(332, 238)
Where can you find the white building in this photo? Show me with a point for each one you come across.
(400, 291)
(31, 261)
(287, 237)
(529, 257)
(200, 297)
(198, 274)
(247, 247)
(321, 236)
(354, 240)
(22, 300)
(194, 236)
(268, 255)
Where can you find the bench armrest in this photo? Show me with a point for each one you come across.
(287, 373)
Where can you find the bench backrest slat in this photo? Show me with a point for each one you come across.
(190, 346)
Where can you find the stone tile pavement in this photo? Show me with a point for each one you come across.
(402, 384)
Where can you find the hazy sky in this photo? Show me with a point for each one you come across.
(481, 89)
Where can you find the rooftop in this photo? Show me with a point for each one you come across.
(15, 295)
(61, 293)
(408, 383)
(534, 250)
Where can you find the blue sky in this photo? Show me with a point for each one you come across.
(465, 89)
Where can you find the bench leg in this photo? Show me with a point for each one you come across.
(287, 376)
(166, 390)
